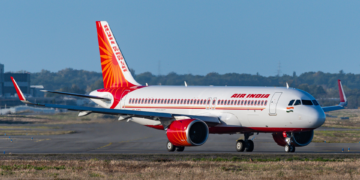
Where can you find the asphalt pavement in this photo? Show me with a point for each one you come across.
(129, 137)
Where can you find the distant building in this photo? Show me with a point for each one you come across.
(23, 81)
(7, 89)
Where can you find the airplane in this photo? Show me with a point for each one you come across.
(189, 114)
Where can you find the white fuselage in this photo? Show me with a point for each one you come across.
(267, 108)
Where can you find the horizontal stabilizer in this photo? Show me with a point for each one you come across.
(78, 95)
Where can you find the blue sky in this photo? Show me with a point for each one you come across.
(195, 37)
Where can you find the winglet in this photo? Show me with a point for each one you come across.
(19, 93)
(343, 100)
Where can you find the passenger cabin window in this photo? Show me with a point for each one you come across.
(307, 102)
(297, 102)
(315, 103)
(291, 102)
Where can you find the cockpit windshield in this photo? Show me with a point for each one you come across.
(307, 102)
(315, 103)
(291, 102)
(297, 102)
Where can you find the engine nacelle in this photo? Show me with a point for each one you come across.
(297, 138)
(187, 132)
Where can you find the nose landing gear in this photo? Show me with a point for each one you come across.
(288, 147)
(246, 144)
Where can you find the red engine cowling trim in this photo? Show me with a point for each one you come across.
(279, 139)
(159, 127)
(178, 132)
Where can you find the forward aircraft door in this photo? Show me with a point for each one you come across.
(273, 103)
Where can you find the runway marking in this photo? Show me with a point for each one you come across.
(121, 142)
(42, 140)
(105, 146)
(134, 139)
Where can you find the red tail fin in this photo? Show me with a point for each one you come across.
(114, 69)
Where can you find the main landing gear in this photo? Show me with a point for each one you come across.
(171, 148)
(246, 144)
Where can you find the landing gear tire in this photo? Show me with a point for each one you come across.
(249, 146)
(289, 148)
(180, 148)
(293, 149)
(170, 147)
(240, 145)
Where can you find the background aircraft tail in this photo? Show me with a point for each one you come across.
(114, 68)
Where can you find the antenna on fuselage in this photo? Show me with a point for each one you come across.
(287, 85)
(185, 83)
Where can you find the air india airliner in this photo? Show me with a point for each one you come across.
(189, 114)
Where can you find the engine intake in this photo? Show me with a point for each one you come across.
(297, 138)
(187, 132)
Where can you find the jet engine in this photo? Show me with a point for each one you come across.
(297, 138)
(187, 132)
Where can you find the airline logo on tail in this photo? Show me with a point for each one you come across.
(114, 68)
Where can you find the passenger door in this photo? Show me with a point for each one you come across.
(273, 103)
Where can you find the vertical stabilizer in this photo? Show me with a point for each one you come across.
(114, 68)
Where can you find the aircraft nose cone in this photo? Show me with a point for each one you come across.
(316, 117)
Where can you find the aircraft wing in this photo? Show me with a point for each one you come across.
(343, 100)
(130, 113)
(78, 95)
